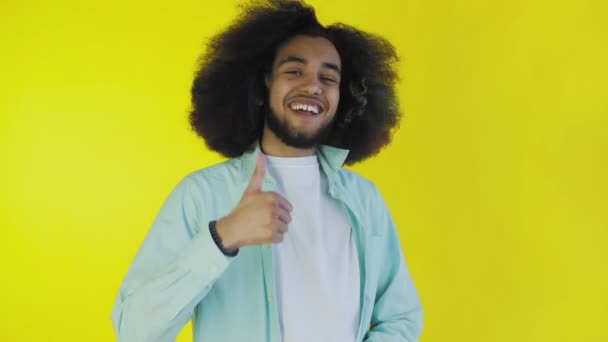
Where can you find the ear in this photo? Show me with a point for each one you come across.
(267, 80)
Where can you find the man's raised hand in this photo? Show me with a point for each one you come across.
(259, 217)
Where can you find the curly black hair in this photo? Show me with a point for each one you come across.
(229, 84)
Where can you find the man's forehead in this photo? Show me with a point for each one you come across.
(305, 49)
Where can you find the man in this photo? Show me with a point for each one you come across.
(279, 243)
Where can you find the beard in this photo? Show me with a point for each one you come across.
(290, 136)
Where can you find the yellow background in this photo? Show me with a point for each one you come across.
(497, 177)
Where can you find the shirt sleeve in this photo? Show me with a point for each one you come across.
(397, 313)
(174, 269)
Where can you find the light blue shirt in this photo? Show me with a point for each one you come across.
(179, 273)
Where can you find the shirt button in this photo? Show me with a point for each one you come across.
(270, 298)
(213, 268)
(268, 178)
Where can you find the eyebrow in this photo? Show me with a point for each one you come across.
(296, 59)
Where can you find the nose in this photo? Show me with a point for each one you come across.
(312, 85)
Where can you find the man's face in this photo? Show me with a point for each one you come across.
(304, 90)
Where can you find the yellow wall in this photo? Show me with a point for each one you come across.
(497, 177)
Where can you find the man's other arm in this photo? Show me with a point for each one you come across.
(397, 314)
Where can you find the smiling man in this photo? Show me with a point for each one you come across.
(279, 243)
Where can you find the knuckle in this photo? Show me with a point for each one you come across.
(276, 199)
(270, 215)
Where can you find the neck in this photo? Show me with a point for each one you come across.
(273, 146)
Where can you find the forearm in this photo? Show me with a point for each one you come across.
(155, 307)
(397, 314)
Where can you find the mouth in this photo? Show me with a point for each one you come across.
(307, 107)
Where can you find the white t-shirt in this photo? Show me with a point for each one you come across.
(316, 265)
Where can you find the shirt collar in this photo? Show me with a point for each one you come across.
(331, 160)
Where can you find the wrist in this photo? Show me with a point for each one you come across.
(225, 234)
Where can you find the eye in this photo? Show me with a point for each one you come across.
(294, 72)
(328, 80)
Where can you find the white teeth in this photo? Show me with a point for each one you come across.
(308, 108)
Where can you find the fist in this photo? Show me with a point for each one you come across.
(259, 217)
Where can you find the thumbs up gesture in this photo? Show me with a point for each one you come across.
(260, 217)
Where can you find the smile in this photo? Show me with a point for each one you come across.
(306, 105)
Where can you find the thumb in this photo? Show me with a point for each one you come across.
(255, 184)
